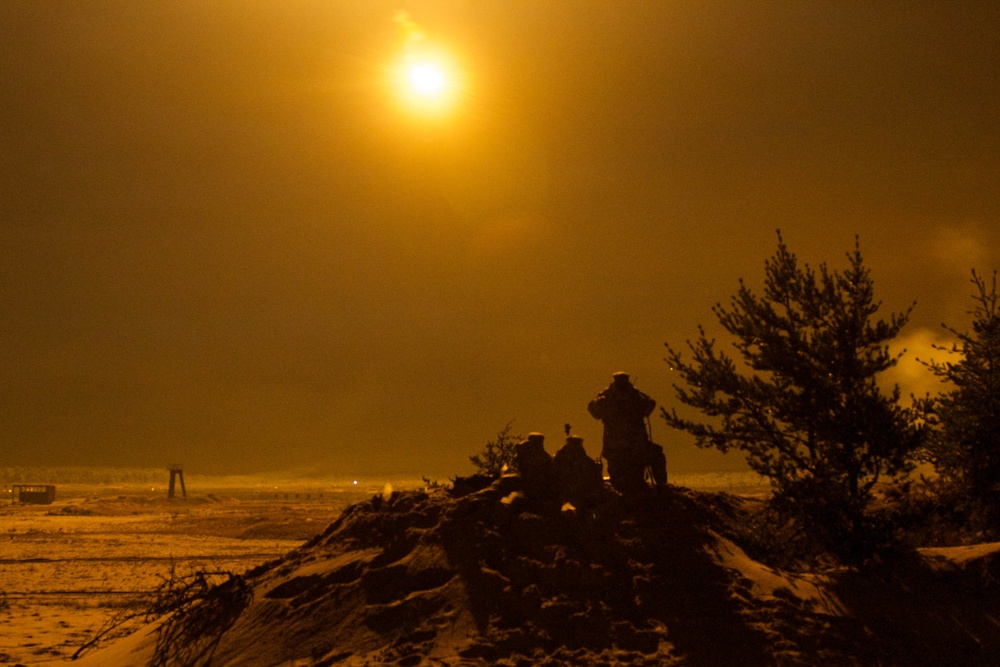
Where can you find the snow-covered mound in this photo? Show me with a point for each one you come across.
(427, 578)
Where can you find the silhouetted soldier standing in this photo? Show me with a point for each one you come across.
(627, 447)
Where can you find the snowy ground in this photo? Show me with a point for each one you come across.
(69, 567)
(427, 577)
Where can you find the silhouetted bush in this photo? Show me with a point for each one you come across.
(964, 438)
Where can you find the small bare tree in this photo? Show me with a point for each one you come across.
(498, 453)
(200, 607)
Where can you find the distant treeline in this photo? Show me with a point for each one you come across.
(79, 475)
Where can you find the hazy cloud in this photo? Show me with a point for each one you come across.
(912, 376)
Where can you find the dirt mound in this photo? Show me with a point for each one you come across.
(488, 578)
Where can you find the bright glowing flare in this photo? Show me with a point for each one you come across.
(427, 79)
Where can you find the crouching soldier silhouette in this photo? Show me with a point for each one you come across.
(578, 475)
(628, 448)
(535, 467)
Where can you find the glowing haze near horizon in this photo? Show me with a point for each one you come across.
(227, 241)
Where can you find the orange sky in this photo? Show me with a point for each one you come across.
(223, 241)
